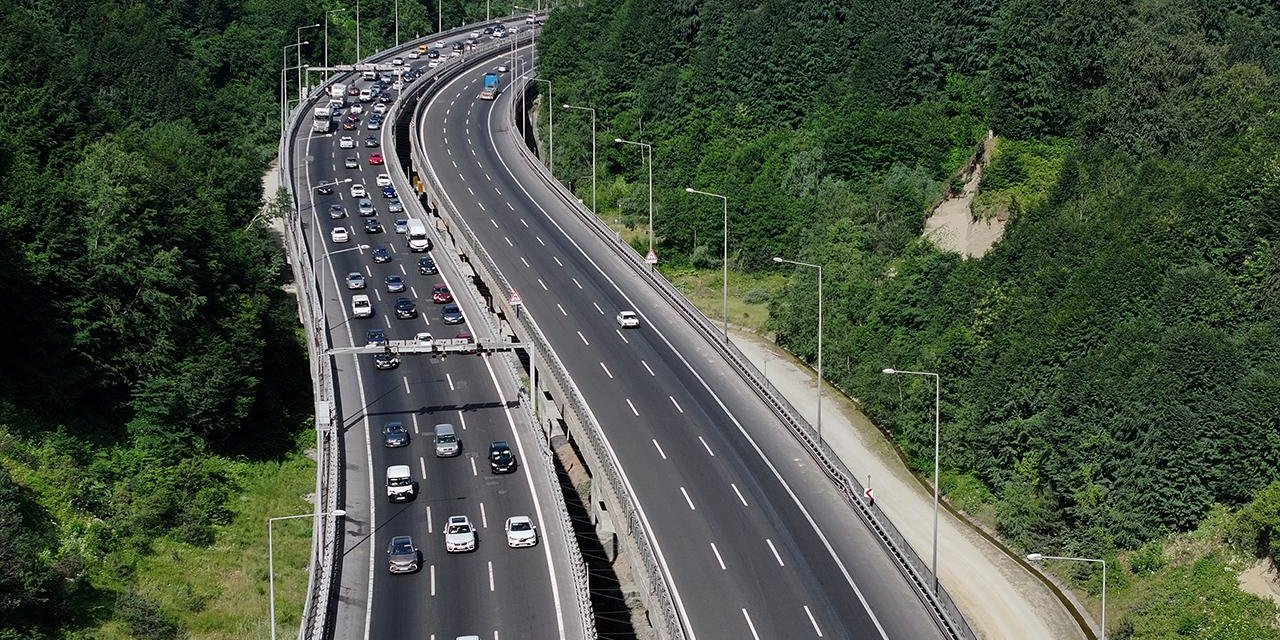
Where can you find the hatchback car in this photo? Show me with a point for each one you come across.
(459, 535)
(394, 206)
(371, 141)
(347, 142)
(380, 108)
(351, 162)
(401, 225)
(394, 284)
(440, 294)
(372, 226)
(452, 314)
(501, 459)
(427, 266)
(381, 255)
(375, 338)
(375, 158)
(383, 180)
(521, 532)
(394, 434)
(339, 234)
(337, 212)
(365, 206)
(357, 191)
(502, 68)
(386, 360)
(405, 308)
(402, 555)
(355, 280)
(628, 319)
(373, 125)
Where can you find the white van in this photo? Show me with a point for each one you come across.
(418, 240)
(369, 75)
(400, 484)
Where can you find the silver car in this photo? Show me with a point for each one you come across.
(355, 280)
(395, 284)
(402, 225)
(402, 555)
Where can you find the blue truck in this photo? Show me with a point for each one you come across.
(490, 90)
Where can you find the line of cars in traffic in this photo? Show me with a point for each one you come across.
(461, 535)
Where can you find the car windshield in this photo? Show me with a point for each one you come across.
(447, 437)
(459, 528)
(399, 482)
(395, 427)
(521, 526)
(362, 303)
(401, 547)
(500, 454)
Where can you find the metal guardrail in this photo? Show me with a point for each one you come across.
(941, 606)
(636, 538)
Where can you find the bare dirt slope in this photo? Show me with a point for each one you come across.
(952, 226)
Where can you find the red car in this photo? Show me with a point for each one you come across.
(440, 294)
(375, 158)
(348, 126)
(353, 90)
(471, 342)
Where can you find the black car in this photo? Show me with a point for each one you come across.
(427, 267)
(405, 308)
(388, 191)
(395, 435)
(451, 314)
(325, 188)
(384, 98)
(488, 31)
(386, 360)
(371, 141)
(376, 338)
(372, 226)
(337, 212)
(433, 54)
(381, 255)
(501, 459)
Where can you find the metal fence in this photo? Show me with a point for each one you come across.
(635, 536)
(941, 606)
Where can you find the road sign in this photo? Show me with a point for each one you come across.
(652, 258)
(515, 299)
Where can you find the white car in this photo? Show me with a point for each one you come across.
(521, 532)
(397, 61)
(435, 62)
(356, 108)
(414, 55)
(346, 142)
(381, 107)
(475, 35)
(357, 191)
(439, 44)
(454, 54)
(459, 535)
(339, 234)
(361, 307)
(384, 180)
(423, 339)
(628, 319)
(502, 68)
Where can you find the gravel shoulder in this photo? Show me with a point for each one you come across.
(999, 597)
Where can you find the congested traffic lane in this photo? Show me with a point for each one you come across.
(758, 544)
(494, 589)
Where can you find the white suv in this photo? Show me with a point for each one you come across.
(459, 535)
(360, 306)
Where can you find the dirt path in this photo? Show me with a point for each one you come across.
(1001, 600)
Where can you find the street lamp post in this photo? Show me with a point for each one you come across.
(397, 5)
(649, 148)
(725, 260)
(326, 34)
(271, 565)
(593, 151)
(284, 83)
(819, 268)
(1037, 557)
(298, 54)
(551, 128)
(937, 422)
(357, 31)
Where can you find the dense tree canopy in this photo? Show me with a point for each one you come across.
(1110, 369)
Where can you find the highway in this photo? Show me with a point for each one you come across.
(494, 591)
(757, 541)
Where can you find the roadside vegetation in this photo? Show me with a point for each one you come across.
(1110, 369)
(154, 402)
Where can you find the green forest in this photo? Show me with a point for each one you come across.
(156, 387)
(1111, 369)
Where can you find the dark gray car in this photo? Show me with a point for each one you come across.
(451, 314)
(394, 434)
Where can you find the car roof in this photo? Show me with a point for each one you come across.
(398, 470)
